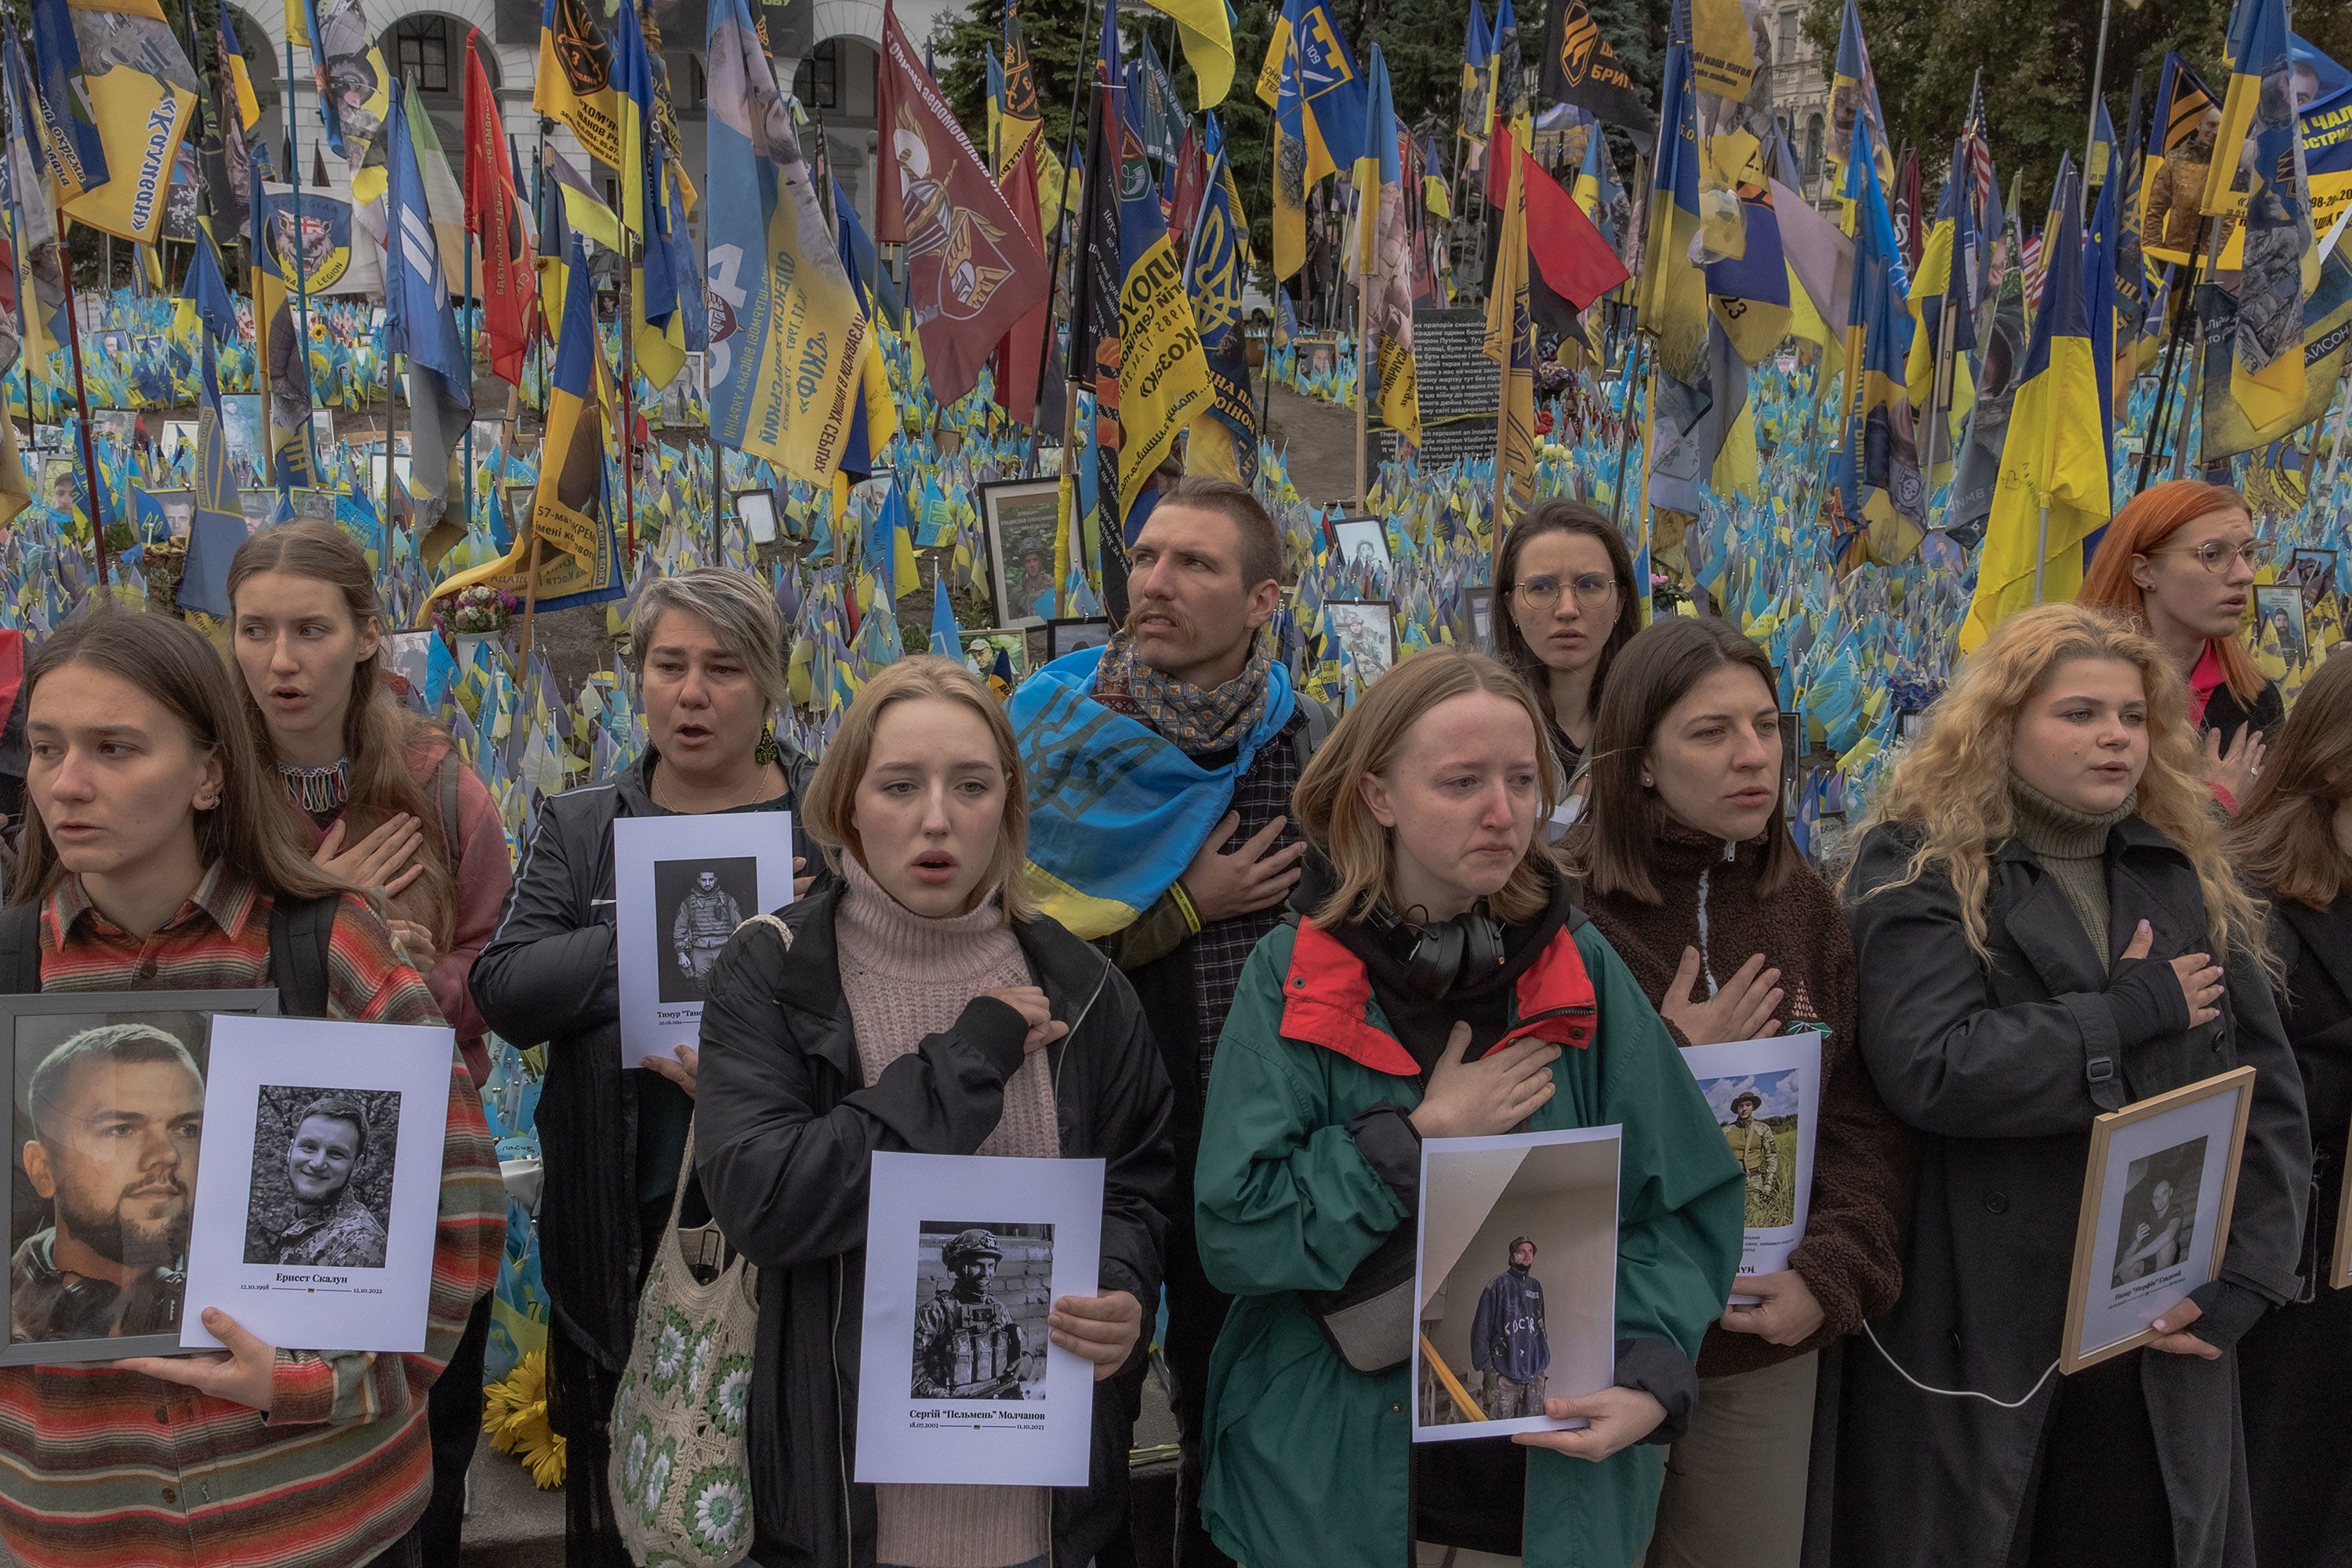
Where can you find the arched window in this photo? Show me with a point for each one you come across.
(816, 82)
(1812, 147)
(426, 52)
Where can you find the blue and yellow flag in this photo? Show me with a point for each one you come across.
(564, 509)
(1939, 290)
(26, 185)
(789, 343)
(1310, 80)
(1853, 100)
(1876, 467)
(1471, 125)
(1511, 344)
(238, 88)
(574, 82)
(2053, 493)
(140, 92)
(2261, 135)
(69, 136)
(217, 525)
(284, 362)
(1224, 438)
(1671, 290)
(1163, 377)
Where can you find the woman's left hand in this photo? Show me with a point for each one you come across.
(415, 945)
(1103, 1329)
(2178, 1340)
(1786, 1315)
(246, 1375)
(679, 1069)
(1619, 1418)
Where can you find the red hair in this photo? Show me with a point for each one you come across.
(2141, 528)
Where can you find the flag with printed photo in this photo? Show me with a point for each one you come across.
(574, 81)
(140, 92)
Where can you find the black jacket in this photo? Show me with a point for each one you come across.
(2316, 946)
(785, 1132)
(549, 974)
(2225, 713)
(2001, 1072)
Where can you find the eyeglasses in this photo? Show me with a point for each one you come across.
(2215, 556)
(1543, 593)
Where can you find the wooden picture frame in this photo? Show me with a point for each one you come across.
(2153, 1146)
(1022, 517)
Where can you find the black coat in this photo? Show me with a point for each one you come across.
(549, 974)
(2225, 713)
(2001, 1073)
(2296, 1364)
(786, 1130)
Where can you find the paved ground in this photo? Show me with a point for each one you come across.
(1318, 440)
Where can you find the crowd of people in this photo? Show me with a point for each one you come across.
(1498, 894)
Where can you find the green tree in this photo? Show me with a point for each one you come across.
(2036, 56)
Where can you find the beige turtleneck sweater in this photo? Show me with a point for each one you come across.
(905, 976)
(2072, 847)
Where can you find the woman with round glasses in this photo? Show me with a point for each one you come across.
(1566, 581)
(2179, 559)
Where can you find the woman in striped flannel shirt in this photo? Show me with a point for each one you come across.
(156, 858)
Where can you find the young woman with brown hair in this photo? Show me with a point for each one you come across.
(916, 1003)
(157, 857)
(1429, 992)
(2179, 562)
(2047, 928)
(1565, 586)
(2293, 842)
(381, 791)
(1689, 871)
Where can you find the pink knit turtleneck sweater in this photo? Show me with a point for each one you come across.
(905, 976)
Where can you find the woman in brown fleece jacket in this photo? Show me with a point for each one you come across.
(1689, 871)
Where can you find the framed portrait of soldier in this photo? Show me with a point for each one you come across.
(682, 885)
(2157, 1197)
(1765, 1096)
(1515, 1282)
(960, 1381)
(319, 1183)
(106, 1097)
(1023, 516)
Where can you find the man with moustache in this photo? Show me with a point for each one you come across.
(1193, 666)
(118, 1115)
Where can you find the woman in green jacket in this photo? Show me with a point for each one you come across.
(1442, 985)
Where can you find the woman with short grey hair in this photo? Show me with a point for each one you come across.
(709, 652)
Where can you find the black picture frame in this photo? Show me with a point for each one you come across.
(35, 1014)
(1070, 633)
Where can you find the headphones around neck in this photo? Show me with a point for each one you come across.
(1439, 956)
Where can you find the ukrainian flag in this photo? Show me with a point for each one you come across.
(240, 80)
(1876, 468)
(572, 459)
(1854, 102)
(1310, 80)
(1671, 300)
(2261, 133)
(2053, 493)
(1950, 241)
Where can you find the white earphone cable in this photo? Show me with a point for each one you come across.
(1960, 1393)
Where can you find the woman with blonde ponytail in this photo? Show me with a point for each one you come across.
(2047, 928)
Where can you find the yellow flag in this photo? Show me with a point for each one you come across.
(574, 80)
(140, 118)
(1208, 44)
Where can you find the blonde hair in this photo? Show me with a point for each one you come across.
(831, 806)
(1951, 784)
(1340, 823)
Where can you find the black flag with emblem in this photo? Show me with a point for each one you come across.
(1580, 68)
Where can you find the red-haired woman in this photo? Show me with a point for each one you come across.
(2179, 560)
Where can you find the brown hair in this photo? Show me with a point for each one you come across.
(1338, 822)
(830, 806)
(2284, 837)
(172, 663)
(1562, 515)
(1951, 784)
(2141, 528)
(1615, 845)
(380, 736)
(1261, 541)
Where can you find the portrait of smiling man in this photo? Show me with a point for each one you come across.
(118, 1120)
(333, 1227)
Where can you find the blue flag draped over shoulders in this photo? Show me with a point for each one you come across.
(1116, 811)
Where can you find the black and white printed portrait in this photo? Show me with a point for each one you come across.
(2160, 1214)
(322, 1170)
(700, 903)
(108, 1117)
(983, 1291)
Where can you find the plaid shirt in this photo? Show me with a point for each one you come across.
(104, 1467)
(1223, 946)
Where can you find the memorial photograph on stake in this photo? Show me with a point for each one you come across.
(1023, 516)
(106, 1098)
(1766, 1096)
(2157, 1196)
(1515, 1280)
(682, 885)
(321, 1182)
(959, 1381)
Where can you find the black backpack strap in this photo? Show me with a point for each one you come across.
(302, 931)
(20, 949)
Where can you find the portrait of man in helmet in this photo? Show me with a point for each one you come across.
(981, 1335)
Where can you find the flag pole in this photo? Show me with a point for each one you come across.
(2173, 343)
(2091, 134)
(1061, 223)
(82, 399)
(1625, 432)
(467, 316)
(1364, 368)
(2190, 387)
(301, 250)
